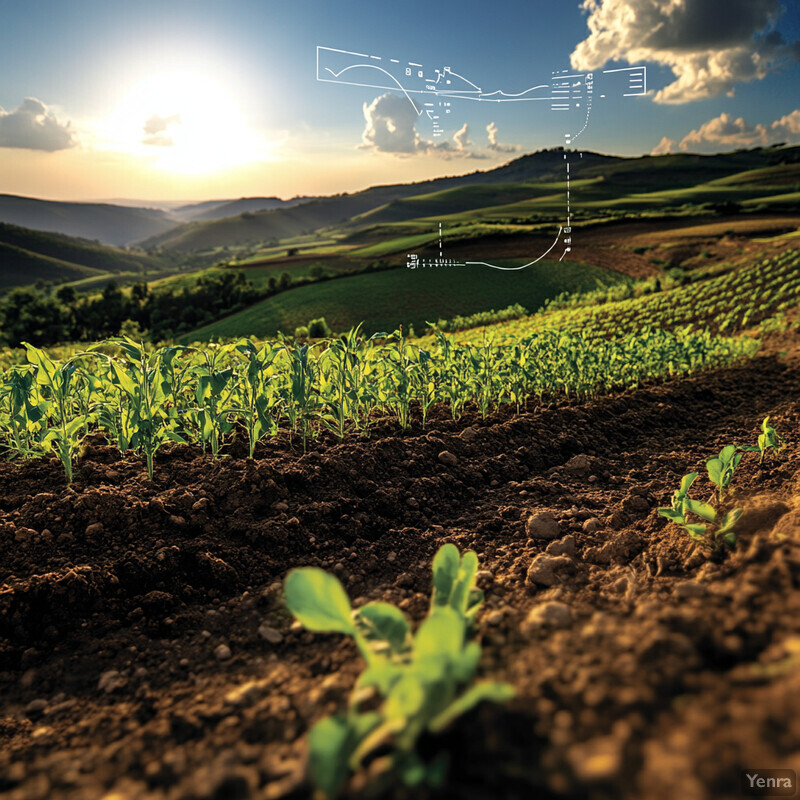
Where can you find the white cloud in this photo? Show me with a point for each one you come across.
(33, 126)
(728, 132)
(664, 147)
(491, 130)
(787, 128)
(710, 45)
(391, 128)
(461, 138)
(156, 126)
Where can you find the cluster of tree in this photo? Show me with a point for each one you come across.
(43, 316)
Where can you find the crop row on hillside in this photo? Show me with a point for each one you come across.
(142, 400)
(727, 303)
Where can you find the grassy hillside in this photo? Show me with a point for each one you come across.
(110, 224)
(385, 300)
(340, 209)
(19, 267)
(27, 256)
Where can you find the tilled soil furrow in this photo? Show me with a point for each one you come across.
(143, 626)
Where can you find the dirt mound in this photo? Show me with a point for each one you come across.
(145, 651)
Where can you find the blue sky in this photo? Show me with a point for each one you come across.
(182, 100)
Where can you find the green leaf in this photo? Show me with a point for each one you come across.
(687, 481)
(672, 515)
(492, 691)
(318, 600)
(124, 380)
(384, 622)
(696, 531)
(440, 637)
(380, 674)
(405, 699)
(726, 453)
(730, 520)
(703, 510)
(467, 662)
(331, 743)
(466, 577)
(715, 468)
(730, 539)
(446, 563)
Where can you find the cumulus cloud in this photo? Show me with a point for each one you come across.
(664, 147)
(156, 126)
(34, 127)
(461, 138)
(391, 128)
(787, 128)
(710, 45)
(491, 130)
(728, 132)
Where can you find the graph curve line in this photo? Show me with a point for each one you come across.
(380, 69)
(524, 266)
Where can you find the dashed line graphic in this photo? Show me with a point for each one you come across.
(567, 91)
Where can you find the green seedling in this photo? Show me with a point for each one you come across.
(144, 393)
(301, 398)
(257, 398)
(214, 393)
(711, 530)
(677, 512)
(721, 469)
(769, 439)
(58, 385)
(423, 681)
(21, 414)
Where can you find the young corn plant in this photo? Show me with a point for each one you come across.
(58, 385)
(256, 395)
(422, 682)
(215, 389)
(711, 530)
(301, 398)
(23, 419)
(143, 381)
(343, 385)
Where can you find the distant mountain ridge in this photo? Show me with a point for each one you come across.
(321, 212)
(204, 212)
(104, 222)
(27, 256)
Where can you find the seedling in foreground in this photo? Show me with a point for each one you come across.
(423, 680)
(721, 469)
(769, 439)
(710, 530)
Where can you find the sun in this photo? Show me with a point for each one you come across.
(185, 121)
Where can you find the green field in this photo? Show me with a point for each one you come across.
(402, 296)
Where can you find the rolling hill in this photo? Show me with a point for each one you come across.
(104, 222)
(339, 209)
(27, 256)
(529, 184)
(400, 296)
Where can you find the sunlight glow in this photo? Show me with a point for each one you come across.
(184, 121)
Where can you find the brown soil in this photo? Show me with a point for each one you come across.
(667, 674)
